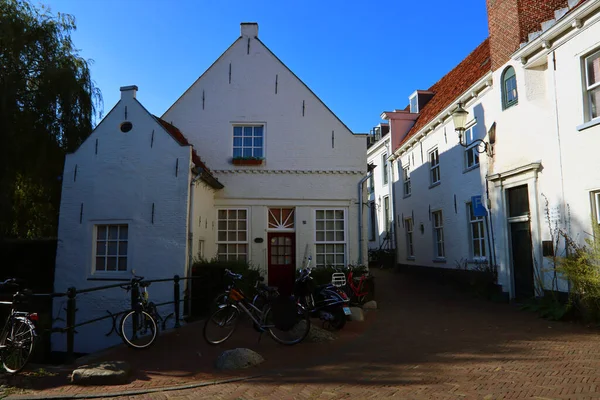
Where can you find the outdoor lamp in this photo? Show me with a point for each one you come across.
(459, 116)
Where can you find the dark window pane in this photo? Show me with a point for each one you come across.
(111, 263)
(237, 131)
(518, 201)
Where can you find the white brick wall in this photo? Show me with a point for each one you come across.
(119, 184)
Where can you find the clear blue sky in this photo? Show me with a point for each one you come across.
(361, 57)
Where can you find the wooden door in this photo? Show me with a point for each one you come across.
(282, 261)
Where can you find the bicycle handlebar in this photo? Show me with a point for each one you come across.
(233, 275)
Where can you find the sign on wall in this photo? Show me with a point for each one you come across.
(478, 207)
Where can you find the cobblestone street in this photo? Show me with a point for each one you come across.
(425, 341)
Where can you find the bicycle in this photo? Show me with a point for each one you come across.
(138, 327)
(279, 316)
(18, 336)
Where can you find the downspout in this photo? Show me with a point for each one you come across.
(360, 214)
(395, 223)
(191, 235)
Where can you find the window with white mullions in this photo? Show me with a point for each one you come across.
(438, 234)
(232, 234)
(477, 234)
(510, 96)
(330, 238)
(471, 153)
(408, 224)
(111, 248)
(406, 180)
(248, 141)
(434, 167)
(592, 75)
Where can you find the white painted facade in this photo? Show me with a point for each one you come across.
(130, 179)
(311, 159)
(380, 187)
(545, 142)
(141, 179)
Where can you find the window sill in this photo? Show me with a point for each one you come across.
(406, 196)
(241, 162)
(410, 258)
(439, 260)
(124, 276)
(476, 166)
(438, 183)
(589, 124)
(509, 105)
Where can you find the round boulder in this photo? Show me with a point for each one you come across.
(238, 359)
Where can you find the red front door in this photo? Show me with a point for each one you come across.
(282, 261)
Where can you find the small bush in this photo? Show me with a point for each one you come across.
(210, 280)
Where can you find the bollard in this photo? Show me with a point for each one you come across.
(176, 298)
(71, 310)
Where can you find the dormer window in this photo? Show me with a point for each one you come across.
(510, 96)
(414, 104)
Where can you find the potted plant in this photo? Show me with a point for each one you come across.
(247, 161)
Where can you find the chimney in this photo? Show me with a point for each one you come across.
(511, 21)
(128, 92)
(249, 29)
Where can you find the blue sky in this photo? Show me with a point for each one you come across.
(360, 57)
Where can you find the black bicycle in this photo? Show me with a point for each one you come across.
(138, 327)
(17, 339)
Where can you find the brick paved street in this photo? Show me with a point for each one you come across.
(426, 341)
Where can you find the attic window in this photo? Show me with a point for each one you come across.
(414, 104)
(126, 127)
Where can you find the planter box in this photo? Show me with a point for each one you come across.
(240, 161)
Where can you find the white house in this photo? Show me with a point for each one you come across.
(380, 226)
(286, 180)
(531, 92)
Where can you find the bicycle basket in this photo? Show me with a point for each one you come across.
(235, 295)
(338, 279)
(285, 314)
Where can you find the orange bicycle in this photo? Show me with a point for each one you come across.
(358, 289)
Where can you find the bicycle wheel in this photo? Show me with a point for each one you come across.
(221, 324)
(219, 301)
(288, 333)
(138, 329)
(16, 344)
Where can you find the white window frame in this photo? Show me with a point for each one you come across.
(471, 148)
(248, 125)
(590, 88)
(387, 213)
(434, 168)
(504, 80)
(406, 181)
(237, 241)
(334, 242)
(105, 254)
(438, 234)
(596, 205)
(384, 162)
(409, 228)
(482, 240)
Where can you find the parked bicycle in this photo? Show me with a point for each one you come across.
(359, 289)
(138, 327)
(287, 321)
(18, 336)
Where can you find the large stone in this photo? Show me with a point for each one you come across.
(357, 314)
(317, 334)
(238, 359)
(102, 373)
(370, 305)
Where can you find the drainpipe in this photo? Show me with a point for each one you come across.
(191, 235)
(394, 222)
(360, 212)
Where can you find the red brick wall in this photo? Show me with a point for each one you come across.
(511, 21)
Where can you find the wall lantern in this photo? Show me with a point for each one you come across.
(459, 117)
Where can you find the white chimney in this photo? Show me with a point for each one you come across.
(249, 29)
(128, 92)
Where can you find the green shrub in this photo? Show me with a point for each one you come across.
(210, 280)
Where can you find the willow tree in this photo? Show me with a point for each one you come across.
(48, 102)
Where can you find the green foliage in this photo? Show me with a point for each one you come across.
(581, 267)
(210, 281)
(549, 307)
(47, 105)
(382, 258)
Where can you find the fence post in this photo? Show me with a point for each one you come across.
(176, 298)
(71, 310)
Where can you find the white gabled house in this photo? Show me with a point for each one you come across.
(281, 178)
(531, 93)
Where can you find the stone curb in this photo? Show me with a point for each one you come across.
(130, 392)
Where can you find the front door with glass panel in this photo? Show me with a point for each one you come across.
(282, 256)
(282, 249)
